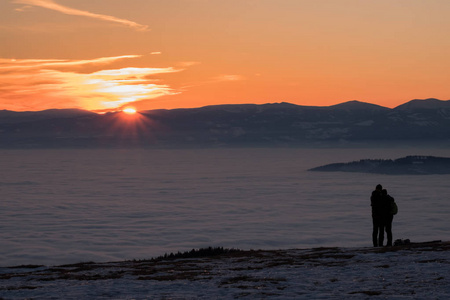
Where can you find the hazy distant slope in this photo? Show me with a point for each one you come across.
(7, 116)
(410, 165)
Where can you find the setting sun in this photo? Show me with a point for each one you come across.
(129, 110)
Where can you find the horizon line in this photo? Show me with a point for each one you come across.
(116, 110)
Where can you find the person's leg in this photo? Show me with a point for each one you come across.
(381, 234)
(375, 232)
(389, 232)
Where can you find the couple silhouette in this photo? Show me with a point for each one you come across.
(383, 211)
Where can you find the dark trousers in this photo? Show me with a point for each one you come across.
(379, 226)
(377, 232)
(388, 228)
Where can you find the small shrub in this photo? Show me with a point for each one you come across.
(196, 253)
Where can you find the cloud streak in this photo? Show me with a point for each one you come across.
(52, 5)
(14, 64)
(33, 84)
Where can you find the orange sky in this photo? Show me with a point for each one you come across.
(110, 54)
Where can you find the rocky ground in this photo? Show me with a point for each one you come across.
(413, 271)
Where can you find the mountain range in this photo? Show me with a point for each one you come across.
(353, 123)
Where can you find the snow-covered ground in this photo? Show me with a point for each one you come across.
(415, 271)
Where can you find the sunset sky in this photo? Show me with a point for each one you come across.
(110, 54)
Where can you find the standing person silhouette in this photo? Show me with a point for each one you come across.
(387, 215)
(378, 209)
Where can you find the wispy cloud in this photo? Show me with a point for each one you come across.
(23, 8)
(33, 84)
(229, 78)
(52, 5)
(6, 64)
(188, 63)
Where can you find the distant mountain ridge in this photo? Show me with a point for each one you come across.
(418, 104)
(358, 105)
(276, 124)
(7, 116)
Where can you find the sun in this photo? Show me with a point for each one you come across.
(129, 110)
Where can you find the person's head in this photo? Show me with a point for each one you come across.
(384, 192)
(378, 187)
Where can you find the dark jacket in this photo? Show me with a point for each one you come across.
(388, 200)
(379, 205)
